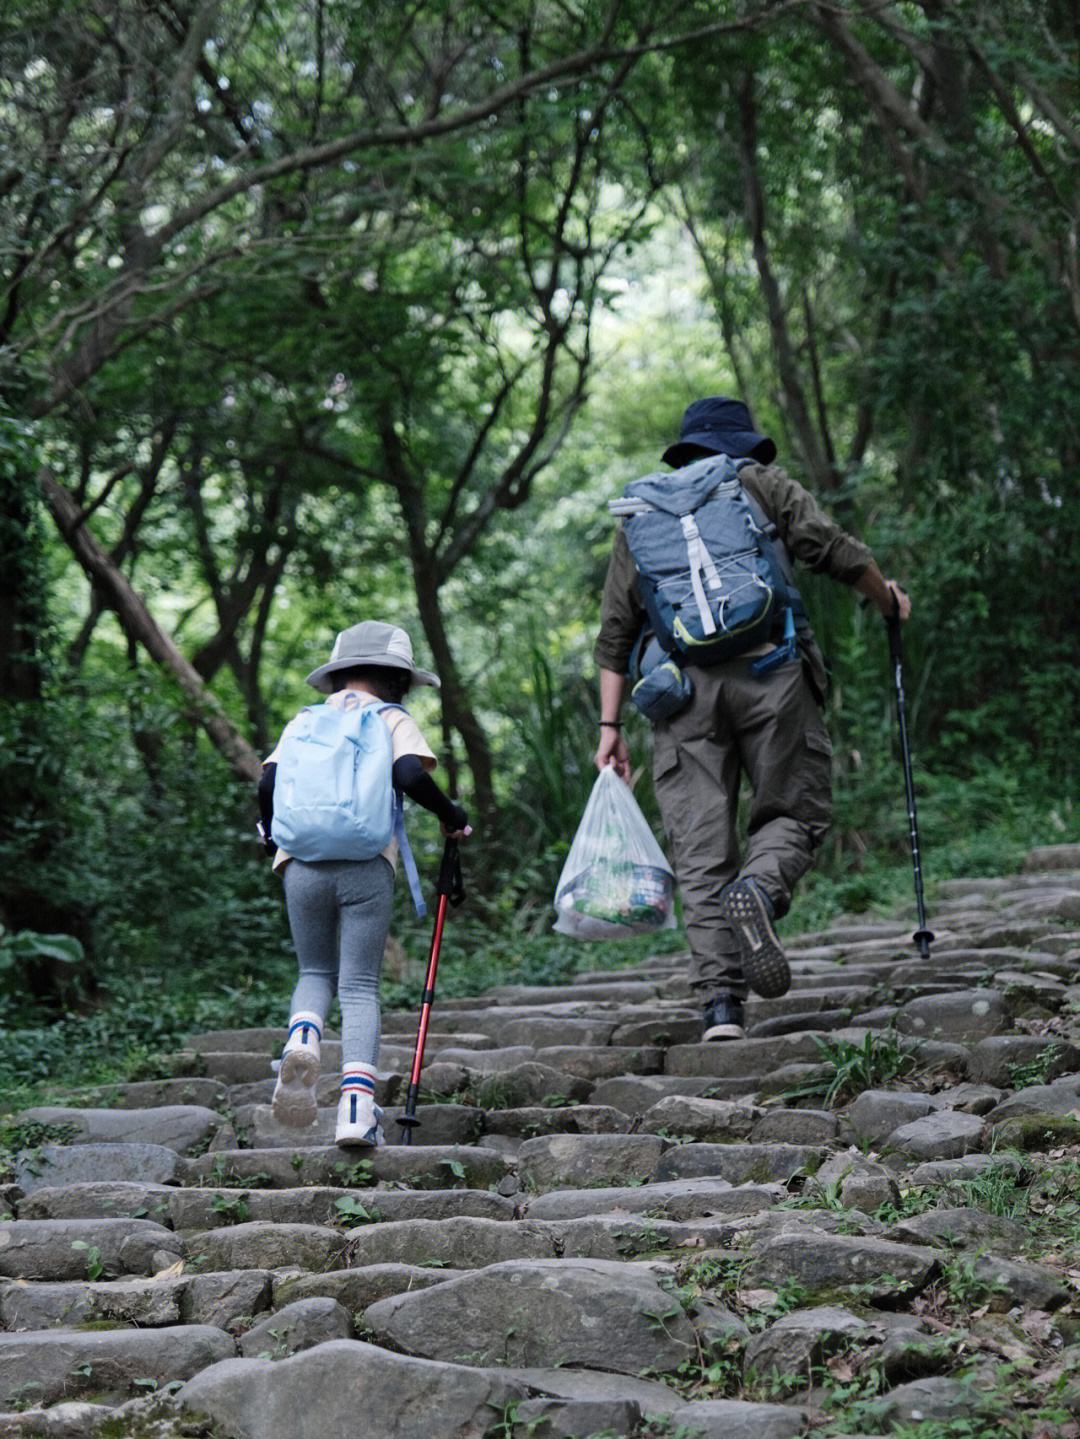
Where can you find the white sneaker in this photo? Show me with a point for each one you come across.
(358, 1119)
(294, 1103)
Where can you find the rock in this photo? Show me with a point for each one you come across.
(111, 1200)
(735, 1419)
(701, 1119)
(155, 1093)
(602, 1061)
(675, 1027)
(998, 1059)
(795, 1126)
(542, 1314)
(943, 1135)
(1052, 857)
(534, 1120)
(677, 1199)
(147, 1303)
(318, 1204)
(258, 1245)
(908, 1354)
(59, 1165)
(962, 1015)
(652, 1398)
(297, 1326)
(556, 1161)
(62, 1421)
(636, 1093)
(357, 1288)
(970, 1098)
(224, 1297)
(420, 1167)
(174, 1126)
(738, 1163)
(718, 1328)
(529, 1083)
(946, 1171)
(875, 1268)
(46, 1248)
(570, 1418)
(963, 1228)
(541, 1031)
(783, 1356)
(460, 1243)
(57, 1364)
(878, 1112)
(924, 1400)
(1038, 1099)
(739, 1058)
(257, 1398)
(868, 1192)
(1008, 1282)
(1037, 1132)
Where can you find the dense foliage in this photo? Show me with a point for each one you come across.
(316, 312)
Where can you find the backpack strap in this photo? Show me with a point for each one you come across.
(408, 859)
(778, 556)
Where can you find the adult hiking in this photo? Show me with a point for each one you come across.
(331, 803)
(703, 621)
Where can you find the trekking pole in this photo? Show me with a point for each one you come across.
(923, 937)
(451, 890)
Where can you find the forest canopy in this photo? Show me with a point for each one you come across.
(314, 312)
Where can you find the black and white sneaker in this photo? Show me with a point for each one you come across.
(724, 1018)
(764, 964)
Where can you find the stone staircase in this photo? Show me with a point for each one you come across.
(604, 1227)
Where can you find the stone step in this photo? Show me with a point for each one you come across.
(422, 1167)
(45, 1366)
(71, 1248)
(173, 1126)
(201, 1209)
(53, 1165)
(220, 1299)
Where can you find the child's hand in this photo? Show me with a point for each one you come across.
(460, 828)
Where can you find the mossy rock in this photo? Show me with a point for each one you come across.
(1030, 1132)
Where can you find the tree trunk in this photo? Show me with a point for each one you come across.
(457, 711)
(140, 626)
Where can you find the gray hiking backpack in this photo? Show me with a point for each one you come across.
(715, 579)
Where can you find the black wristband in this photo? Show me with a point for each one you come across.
(611, 724)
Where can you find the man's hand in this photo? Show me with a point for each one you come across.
(886, 594)
(899, 599)
(613, 749)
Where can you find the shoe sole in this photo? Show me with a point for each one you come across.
(724, 1031)
(765, 965)
(294, 1104)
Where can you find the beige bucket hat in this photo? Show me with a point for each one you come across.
(370, 643)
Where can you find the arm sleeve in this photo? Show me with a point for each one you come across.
(621, 610)
(266, 804)
(809, 533)
(412, 779)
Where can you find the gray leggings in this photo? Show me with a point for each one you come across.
(339, 914)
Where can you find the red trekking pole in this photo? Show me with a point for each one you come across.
(451, 891)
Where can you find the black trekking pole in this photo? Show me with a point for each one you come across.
(923, 936)
(451, 890)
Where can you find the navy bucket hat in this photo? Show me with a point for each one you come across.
(723, 427)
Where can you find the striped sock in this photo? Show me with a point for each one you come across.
(304, 1028)
(358, 1085)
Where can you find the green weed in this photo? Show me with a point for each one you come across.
(233, 1208)
(877, 1062)
(94, 1267)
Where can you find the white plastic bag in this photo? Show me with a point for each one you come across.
(616, 880)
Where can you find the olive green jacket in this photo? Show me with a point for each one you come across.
(805, 529)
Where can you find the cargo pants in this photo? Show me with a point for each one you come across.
(770, 728)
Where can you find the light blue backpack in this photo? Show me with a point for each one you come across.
(334, 795)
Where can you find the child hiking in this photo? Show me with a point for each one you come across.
(330, 798)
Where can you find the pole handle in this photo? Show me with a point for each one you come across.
(450, 881)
